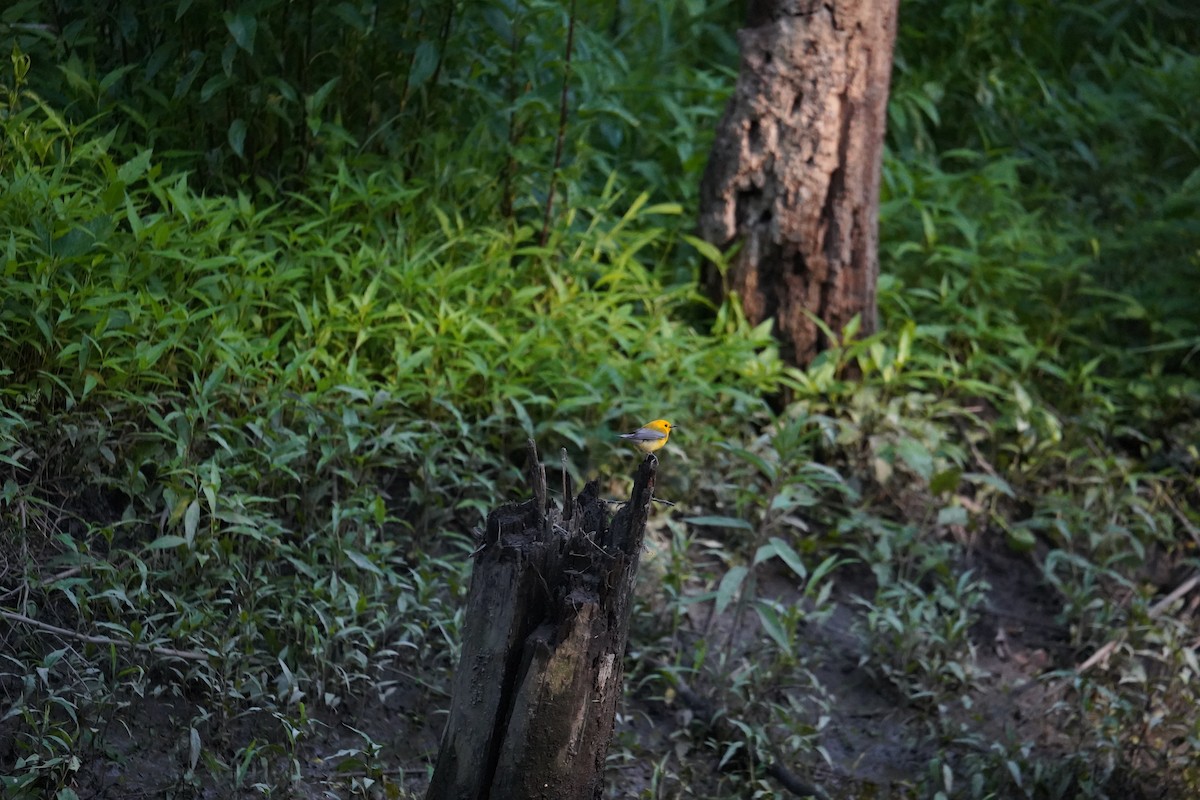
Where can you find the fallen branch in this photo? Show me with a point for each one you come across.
(190, 655)
(1155, 612)
(66, 573)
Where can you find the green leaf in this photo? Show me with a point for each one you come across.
(767, 469)
(731, 584)
(916, 456)
(945, 481)
(1020, 539)
(904, 348)
(719, 522)
(242, 27)
(316, 101)
(995, 481)
(522, 416)
(793, 496)
(135, 167)
(952, 515)
(789, 557)
(191, 520)
(764, 553)
(362, 562)
(730, 751)
(237, 136)
(851, 328)
(1014, 769)
(350, 15)
(707, 250)
(424, 63)
(134, 219)
(825, 567)
(109, 80)
(166, 543)
(774, 628)
(213, 86)
(193, 747)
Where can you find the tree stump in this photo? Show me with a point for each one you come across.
(541, 669)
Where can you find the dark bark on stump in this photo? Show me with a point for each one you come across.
(547, 619)
(794, 171)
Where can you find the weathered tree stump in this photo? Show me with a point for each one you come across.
(547, 618)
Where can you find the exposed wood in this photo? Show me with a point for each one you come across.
(568, 489)
(795, 168)
(539, 679)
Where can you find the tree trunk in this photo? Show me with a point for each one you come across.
(541, 670)
(794, 171)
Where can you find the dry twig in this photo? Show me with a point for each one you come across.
(190, 655)
(1156, 611)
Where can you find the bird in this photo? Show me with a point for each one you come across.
(650, 437)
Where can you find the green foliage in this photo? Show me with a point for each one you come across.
(918, 624)
(1086, 108)
(265, 89)
(264, 416)
(282, 300)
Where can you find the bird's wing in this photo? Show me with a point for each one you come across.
(644, 435)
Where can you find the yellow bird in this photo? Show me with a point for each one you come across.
(650, 437)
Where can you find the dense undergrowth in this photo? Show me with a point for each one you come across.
(275, 323)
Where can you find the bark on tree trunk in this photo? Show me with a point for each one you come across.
(541, 669)
(794, 171)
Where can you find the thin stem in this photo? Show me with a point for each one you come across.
(510, 166)
(190, 655)
(562, 125)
